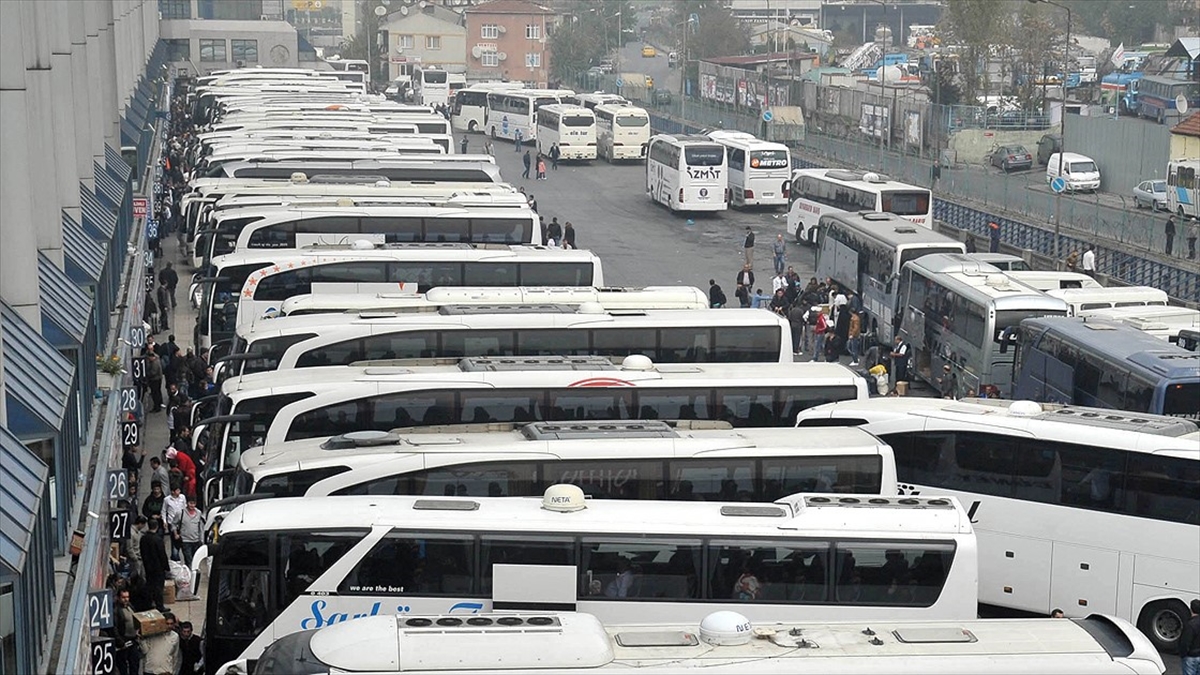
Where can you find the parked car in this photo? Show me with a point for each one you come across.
(1011, 157)
(672, 60)
(1048, 144)
(1151, 194)
(649, 51)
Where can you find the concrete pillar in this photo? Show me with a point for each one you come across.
(80, 85)
(96, 118)
(111, 95)
(120, 52)
(18, 255)
(63, 102)
(47, 218)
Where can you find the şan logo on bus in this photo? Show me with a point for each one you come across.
(602, 382)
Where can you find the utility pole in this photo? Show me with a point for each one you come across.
(882, 79)
(1062, 150)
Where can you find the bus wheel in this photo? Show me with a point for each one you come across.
(1162, 622)
(473, 127)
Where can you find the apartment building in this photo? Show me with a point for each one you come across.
(431, 35)
(507, 39)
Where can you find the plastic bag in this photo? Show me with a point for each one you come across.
(183, 579)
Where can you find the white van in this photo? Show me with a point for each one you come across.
(1079, 171)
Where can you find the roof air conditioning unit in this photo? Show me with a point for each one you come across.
(503, 56)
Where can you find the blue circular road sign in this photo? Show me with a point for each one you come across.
(1058, 184)
(620, 82)
(767, 116)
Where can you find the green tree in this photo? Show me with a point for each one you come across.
(714, 32)
(588, 33)
(978, 25)
(1132, 22)
(1038, 51)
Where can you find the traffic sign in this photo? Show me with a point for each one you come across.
(620, 82)
(767, 116)
(1058, 184)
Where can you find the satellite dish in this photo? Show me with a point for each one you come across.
(380, 10)
(399, 49)
(476, 51)
(422, 4)
(1181, 104)
(404, 10)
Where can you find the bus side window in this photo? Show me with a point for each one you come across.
(1163, 488)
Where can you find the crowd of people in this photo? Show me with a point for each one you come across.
(167, 524)
(826, 319)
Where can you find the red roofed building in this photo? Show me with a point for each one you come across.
(507, 39)
(1185, 138)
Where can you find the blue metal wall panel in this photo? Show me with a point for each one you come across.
(95, 216)
(82, 249)
(34, 372)
(63, 302)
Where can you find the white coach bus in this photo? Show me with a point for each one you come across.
(468, 110)
(461, 331)
(687, 173)
(536, 641)
(622, 132)
(760, 172)
(571, 127)
(276, 406)
(819, 192)
(613, 298)
(290, 564)
(1083, 509)
(511, 111)
(639, 459)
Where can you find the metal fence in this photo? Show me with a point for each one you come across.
(1126, 151)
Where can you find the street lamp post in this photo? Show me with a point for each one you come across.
(683, 64)
(1062, 131)
(882, 78)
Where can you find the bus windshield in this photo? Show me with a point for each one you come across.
(1182, 400)
(704, 156)
(434, 76)
(578, 120)
(768, 159)
(912, 253)
(906, 203)
(632, 121)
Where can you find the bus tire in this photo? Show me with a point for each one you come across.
(1162, 622)
(472, 126)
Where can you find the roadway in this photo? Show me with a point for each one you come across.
(641, 242)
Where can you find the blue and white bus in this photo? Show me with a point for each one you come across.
(1105, 364)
